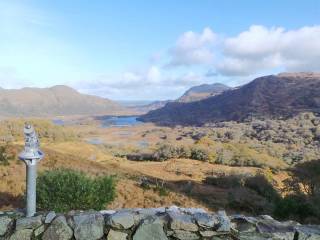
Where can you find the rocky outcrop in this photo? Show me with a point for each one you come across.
(151, 224)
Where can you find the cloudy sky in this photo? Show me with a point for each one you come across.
(152, 50)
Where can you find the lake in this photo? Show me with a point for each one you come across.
(119, 121)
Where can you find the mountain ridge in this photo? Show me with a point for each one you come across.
(203, 91)
(52, 101)
(281, 95)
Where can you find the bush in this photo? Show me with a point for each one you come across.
(226, 181)
(295, 207)
(62, 190)
(165, 152)
(263, 187)
(202, 153)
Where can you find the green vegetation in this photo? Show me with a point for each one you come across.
(303, 204)
(62, 190)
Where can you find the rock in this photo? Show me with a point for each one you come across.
(172, 209)
(192, 211)
(58, 230)
(276, 229)
(309, 232)
(205, 220)
(22, 234)
(50, 216)
(207, 233)
(224, 222)
(39, 231)
(121, 220)
(256, 236)
(29, 222)
(241, 224)
(180, 221)
(5, 223)
(150, 231)
(88, 226)
(107, 212)
(185, 235)
(151, 211)
(114, 235)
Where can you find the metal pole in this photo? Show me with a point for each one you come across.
(31, 189)
(31, 155)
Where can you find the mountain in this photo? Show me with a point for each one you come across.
(57, 100)
(278, 96)
(203, 91)
(195, 93)
(143, 109)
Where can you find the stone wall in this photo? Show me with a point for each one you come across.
(150, 224)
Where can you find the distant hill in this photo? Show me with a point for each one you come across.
(57, 100)
(142, 109)
(203, 91)
(279, 96)
(195, 93)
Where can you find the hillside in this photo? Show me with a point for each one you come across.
(278, 96)
(195, 93)
(57, 100)
(203, 91)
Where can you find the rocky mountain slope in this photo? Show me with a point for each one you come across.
(195, 93)
(278, 96)
(57, 100)
(203, 91)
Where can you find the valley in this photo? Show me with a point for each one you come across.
(246, 166)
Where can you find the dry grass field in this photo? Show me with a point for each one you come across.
(177, 181)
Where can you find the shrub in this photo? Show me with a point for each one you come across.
(62, 190)
(226, 181)
(165, 152)
(294, 207)
(263, 187)
(202, 153)
(306, 178)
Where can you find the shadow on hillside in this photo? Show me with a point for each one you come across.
(225, 193)
(7, 200)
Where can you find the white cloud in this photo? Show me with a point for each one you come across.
(151, 83)
(261, 48)
(193, 48)
(10, 79)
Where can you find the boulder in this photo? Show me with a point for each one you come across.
(29, 222)
(179, 221)
(5, 223)
(39, 231)
(150, 231)
(50, 216)
(58, 230)
(185, 235)
(88, 226)
(224, 222)
(284, 231)
(206, 220)
(121, 220)
(22, 234)
(310, 232)
(115, 235)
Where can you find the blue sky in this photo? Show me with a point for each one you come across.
(138, 50)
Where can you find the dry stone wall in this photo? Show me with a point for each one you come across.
(150, 224)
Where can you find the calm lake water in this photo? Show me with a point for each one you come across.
(119, 121)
